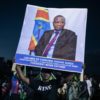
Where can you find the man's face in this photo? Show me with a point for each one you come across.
(58, 23)
(45, 76)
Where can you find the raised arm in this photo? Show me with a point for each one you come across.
(21, 75)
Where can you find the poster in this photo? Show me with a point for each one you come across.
(37, 20)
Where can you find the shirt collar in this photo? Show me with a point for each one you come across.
(57, 31)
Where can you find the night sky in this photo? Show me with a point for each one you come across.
(11, 21)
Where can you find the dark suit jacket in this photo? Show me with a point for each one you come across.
(65, 46)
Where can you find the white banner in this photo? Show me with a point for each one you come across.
(76, 19)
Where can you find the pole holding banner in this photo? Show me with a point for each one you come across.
(82, 74)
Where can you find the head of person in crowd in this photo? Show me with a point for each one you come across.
(85, 77)
(59, 22)
(75, 78)
(46, 74)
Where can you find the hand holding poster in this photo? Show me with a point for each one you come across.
(55, 51)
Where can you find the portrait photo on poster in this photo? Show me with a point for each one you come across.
(54, 34)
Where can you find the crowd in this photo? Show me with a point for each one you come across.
(61, 85)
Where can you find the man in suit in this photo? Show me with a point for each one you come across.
(63, 46)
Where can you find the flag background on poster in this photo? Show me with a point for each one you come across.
(41, 25)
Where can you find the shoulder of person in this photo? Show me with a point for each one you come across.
(34, 79)
(69, 31)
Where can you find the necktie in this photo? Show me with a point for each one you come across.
(45, 52)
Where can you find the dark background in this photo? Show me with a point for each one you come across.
(11, 20)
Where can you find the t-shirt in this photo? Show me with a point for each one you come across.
(89, 85)
(83, 91)
(44, 90)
